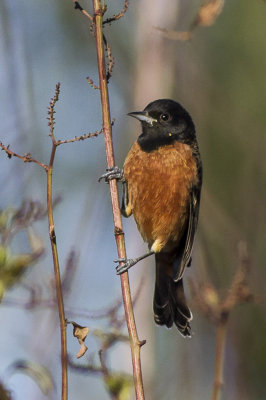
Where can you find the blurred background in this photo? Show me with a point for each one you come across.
(219, 77)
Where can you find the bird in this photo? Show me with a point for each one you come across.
(162, 179)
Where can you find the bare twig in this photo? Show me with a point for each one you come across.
(49, 170)
(119, 234)
(80, 138)
(218, 311)
(206, 16)
(85, 368)
(110, 66)
(26, 158)
(219, 357)
(117, 384)
(51, 112)
(59, 295)
(36, 300)
(69, 271)
(92, 83)
(110, 58)
(239, 293)
(84, 12)
(106, 376)
(175, 35)
(116, 17)
(58, 285)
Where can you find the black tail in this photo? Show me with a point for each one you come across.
(169, 303)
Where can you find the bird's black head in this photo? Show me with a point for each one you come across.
(163, 122)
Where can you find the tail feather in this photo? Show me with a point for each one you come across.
(169, 301)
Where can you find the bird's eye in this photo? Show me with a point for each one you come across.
(164, 117)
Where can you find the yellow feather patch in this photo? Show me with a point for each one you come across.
(157, 246)
(128, 210)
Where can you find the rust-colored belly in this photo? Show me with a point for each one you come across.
(159, 183)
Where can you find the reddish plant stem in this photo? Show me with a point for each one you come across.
(135, 344)
(219, 358)
(59, 295)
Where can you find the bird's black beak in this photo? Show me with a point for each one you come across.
(143, 116)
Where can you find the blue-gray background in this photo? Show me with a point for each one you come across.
(219, 76)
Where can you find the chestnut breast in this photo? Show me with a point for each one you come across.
(159, 185)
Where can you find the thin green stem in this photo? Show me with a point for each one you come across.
(59, 294)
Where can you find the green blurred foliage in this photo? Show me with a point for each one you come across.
(11, 268)
(4, 394)
(12, 221)
(119, 385)
(41, 376)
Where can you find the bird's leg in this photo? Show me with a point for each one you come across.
(112, 173)
(128, 263)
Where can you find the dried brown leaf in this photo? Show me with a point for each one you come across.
(80, 332)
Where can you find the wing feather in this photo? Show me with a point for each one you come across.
(186, 243)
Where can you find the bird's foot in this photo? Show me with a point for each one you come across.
(125, 264)
(112, 173)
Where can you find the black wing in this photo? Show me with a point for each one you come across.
(186, 243)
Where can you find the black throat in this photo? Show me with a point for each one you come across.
(153, 138)
(149, 144)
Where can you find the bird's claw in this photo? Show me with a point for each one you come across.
(126, 264)
(112, 173)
